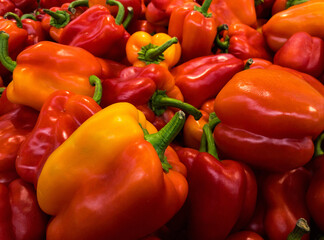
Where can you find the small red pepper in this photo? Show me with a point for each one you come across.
(205, 75)
(303, 53)
(21, 217)
(242, 41)
(62, 113)
(195, 27)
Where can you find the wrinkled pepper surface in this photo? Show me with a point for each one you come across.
(115, 181)
(62, 113)
(285, 115)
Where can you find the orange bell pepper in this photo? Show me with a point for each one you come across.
(306, 17)
(143, 49)
(117, 177)
(48, 66)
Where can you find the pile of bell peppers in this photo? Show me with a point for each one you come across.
(162, 119)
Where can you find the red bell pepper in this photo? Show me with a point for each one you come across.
(285, 196)
(205, 75)
(52, 3)
(291, 118)
(315, 192)
(16, 122)
(62, 113)
(195, 28)
(303, 53)
(26, 6)
(242, 41)
(6, 6)
(153, 85)
(21, 217)
(222, 194)
(159, 11)
(105, 35)
(145, 26)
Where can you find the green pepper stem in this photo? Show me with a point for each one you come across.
(212, 122)
(258, 2)
(300, 230)
(2, 90)
(5, 59)
(211, 146)
(28, 16)
(248, 64)
(204, 8)
(121, 11)
(77, 3)
(160, 101)
(129, 17)
(14, 16)
(291, 3)
(318, 145)
(165, 136)
(59, 19)
(222, 45)
(95, 81)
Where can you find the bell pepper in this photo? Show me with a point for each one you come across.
(136, 5)
(91, 198)
(62, 113)
(263, 8)
(222, 193)
(57, 18)
(159, 11)
(6, 6)
(234, 11)
(242, 41)
(106, 37)
(195, 28)
(315, 192)
(149, 87)
(52, 3)
(33, 27)
(17, 41)
(16, 122)
(32, 81)
(285, 196)
(281, 5)
(291, 118)
(303, 53)
(21, 217)
(244, 235)
(205, 75)
(305, 17)
(26, 6)
(143, 49)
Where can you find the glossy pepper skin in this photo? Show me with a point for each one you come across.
(284, 140)
(98, 38)
(206, 75)
(145, 26)
(222, 194)
(26, 6)
(21, 218)
(159, 11)
(244, 235)
(281, 5)
(91, 198)
(285, 196)
(315, 192)
(305, 17)
(243, 42)
(303, 53)
(195, 27)
(141, 43)
(16, 122)
(62, 113)
(70, 67)
(6, 6)
(234, 11)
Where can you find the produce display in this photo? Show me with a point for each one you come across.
(162, 119)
